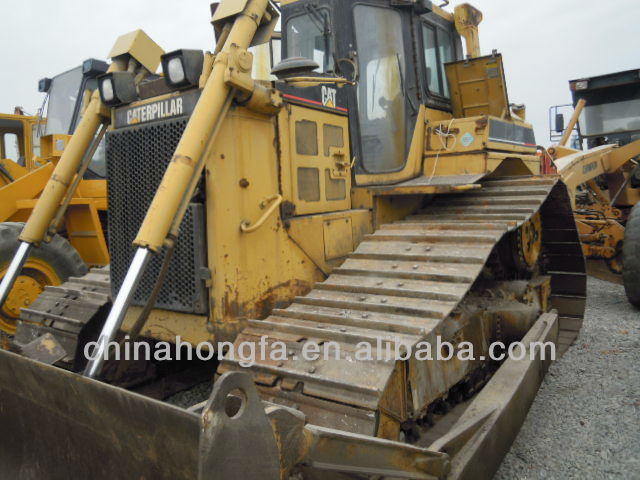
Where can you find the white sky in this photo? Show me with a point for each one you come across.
(545, 43)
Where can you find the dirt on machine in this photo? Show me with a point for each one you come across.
(381, 191)
(604, 177)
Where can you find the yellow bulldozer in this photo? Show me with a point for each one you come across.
(604, 181)
(382, 192)
(30, 148)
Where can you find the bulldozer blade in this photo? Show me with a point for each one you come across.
(59, 425)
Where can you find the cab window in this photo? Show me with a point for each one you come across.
(381, 101)
(62, 101)
(439, 48)
(36, 131)
(309, 36)
(12, 148)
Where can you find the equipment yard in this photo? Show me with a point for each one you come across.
(325, 245)
(591, 396)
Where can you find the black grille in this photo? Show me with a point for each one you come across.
(137, 158)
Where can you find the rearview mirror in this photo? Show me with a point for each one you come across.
(559, 123)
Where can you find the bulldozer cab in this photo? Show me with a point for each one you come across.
(394, 75)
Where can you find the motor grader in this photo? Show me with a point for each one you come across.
(381, 191)
(38, 142)
(604, 180)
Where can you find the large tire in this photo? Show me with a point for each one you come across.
(50, 264)
(631, 257)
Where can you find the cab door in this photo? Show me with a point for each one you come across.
(320, 164)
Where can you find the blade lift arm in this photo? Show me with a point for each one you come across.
(56, 196)
(230, 76)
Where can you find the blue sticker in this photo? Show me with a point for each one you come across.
(467, 139)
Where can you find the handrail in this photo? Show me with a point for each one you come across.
(246, 227)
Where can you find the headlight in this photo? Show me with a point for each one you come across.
(106, 90)
(182, 68)
(117, 88)
(175, 70)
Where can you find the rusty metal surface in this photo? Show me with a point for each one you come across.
(44, 349)
(70, 426)
(372, 457)
(483, 434)
(71, 312)
(403, 284)
(236, 439)
(404, 281)
(58, 425)
(426, 185)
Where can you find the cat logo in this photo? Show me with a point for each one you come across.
(329, 97)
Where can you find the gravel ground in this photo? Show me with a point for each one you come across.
(585, 421)
(188, 398)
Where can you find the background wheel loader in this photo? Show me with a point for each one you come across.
(381, 191)
(604, 180)
(30, 147)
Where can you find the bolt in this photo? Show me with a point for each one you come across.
(394, 266)
(401, 285)
(379, 283)
(280, 364)
(427, 249)
(383, 300)
(312, 370)
(365, 315)
(362, 299)
(415, 267)
(343, 330)
(408, 249)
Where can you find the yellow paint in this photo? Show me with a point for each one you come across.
(310, 152)
(138, 45)
(251, 273)
(478, 87)
(467, 19)
(36, 274)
